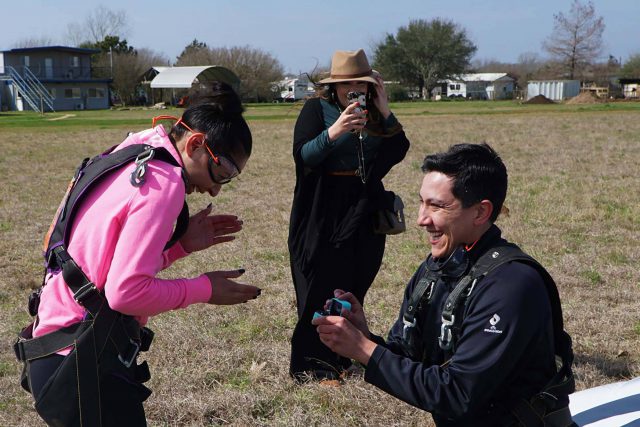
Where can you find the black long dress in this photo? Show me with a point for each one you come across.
(331, 240)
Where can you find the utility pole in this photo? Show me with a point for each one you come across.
(111, 60)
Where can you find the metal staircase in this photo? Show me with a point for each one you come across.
(31, 89)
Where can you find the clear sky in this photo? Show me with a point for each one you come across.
(302, 33)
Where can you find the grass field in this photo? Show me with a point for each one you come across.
(573, 200)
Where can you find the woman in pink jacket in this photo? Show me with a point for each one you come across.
(119, 237)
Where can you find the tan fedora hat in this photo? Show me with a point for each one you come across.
(349, 66)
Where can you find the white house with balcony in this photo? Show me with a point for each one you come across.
(51, 78)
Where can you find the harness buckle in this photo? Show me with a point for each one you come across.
(137, 176)
(407, 325)
(445, 339)
(131, 355)
(473, 285)
(85, 292)
(18, 349)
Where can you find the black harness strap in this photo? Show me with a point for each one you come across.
(33, 348)
(536, 411)
(420, 296)
(89, 174)
(484, 265)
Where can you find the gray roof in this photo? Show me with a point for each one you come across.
(184, 77)
(482, 77)
(50, 48)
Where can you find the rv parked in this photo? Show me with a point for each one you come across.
(293, 89)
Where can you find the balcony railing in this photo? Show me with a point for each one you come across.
(65, 73)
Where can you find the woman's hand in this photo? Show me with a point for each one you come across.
(228, 292)
(381, 101)
(349, 121)
(207, 230)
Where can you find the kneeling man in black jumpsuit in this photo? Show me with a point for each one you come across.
(479, 340)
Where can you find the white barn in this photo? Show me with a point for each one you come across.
(556, 90)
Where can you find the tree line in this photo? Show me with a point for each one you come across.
(418, 55)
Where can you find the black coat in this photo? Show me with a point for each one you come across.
(495, 363)
(307, 226)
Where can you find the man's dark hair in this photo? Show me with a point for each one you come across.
(478, 173)
(216, 110)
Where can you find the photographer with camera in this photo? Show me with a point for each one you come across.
(480, 339)
(342, 149)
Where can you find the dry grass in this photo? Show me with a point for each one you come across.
(573, 202)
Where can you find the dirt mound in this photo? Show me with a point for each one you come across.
(539, 99)
(586, 97)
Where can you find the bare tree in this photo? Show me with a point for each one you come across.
(34, 42)
(128, 69)
(125, 65)
(576, 39)
(256, 69)
(97, 25)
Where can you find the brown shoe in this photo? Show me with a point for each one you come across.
(325, 382)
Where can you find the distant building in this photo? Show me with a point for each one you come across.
(179, 80)
(630, 88)
(478, 86)
(292, 89)
(52, 78)
(556, 90)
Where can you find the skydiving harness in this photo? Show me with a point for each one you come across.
(540, 409)
(102, 329)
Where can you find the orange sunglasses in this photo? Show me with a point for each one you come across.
(220, 161)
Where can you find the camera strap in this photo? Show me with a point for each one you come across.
(360, 155)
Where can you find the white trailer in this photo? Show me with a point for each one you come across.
(294, 89)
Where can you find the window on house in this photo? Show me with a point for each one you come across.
(96, 92)
(457, 87)
(27, 61)
(72, 93)
(452, 87)
(74, 61)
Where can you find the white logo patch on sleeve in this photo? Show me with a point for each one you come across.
(494, 321)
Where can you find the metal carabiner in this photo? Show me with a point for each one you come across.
(137, 176)
(407, 325)
(445, 339)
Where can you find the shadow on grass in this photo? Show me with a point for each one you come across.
(619, 368)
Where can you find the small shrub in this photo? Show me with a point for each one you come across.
(397, 93)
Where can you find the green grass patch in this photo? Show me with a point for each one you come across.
(265, 409)
(138, 118)
(6, 369)
(619, 258)
(592, 277)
